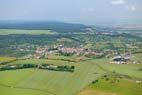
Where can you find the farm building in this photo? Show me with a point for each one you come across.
(121, 59)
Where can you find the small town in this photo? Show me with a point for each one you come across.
(113, 56)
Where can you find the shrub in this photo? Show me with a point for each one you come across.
(95, 81)
(107, 79)
(140, 69)
(105, 76)
(72, 67)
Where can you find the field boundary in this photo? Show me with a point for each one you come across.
(35, 89)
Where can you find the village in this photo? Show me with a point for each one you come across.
(66, 51)
(113, 56)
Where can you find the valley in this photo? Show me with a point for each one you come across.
(46, 62)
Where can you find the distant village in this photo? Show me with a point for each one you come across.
(114, 57)
(39, 51)
(66, 51)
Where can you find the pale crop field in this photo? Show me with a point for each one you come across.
(20, 31)
(6, 59)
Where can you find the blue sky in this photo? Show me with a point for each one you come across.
(76, 11)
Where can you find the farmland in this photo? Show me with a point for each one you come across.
(19, 46)
(30, 32)
(36, 82)
(106, 87)
(7, 59)
(60, 83)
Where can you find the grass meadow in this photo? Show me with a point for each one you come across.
(44, 82)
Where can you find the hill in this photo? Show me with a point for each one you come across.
(60, 27)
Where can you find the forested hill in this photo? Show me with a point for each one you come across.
(60, 27)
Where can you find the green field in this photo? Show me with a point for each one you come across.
(60, 83)
(43, 82)
(32, 32)
(131, 70)
(19, 46)
(6, 59)
(107, 87)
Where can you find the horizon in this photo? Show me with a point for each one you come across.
(107, 24)
(82, 11)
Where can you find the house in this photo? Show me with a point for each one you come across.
(121, 59)
(40, 52)
(76, 51)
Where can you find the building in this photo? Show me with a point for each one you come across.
(76, 51)
(40, 52)
(121, 59)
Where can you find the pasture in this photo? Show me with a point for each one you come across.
(43, 82)
(105, 87)
(37, 82)
(131, 70)
(7, 59)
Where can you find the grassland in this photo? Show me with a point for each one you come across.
(131, 70)
(43, 82)
(126, 86)
(105, 87)
(68, 58)
(31, 32)
(6, 59)
(59, 83)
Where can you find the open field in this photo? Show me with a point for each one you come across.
(131, 70)
(105, 87)
(32, 32)
(68, 58)
(43, 82)
(6, 59)
(126, 86)
(59, 83)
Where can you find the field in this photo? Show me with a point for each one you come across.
(131, 70)
(126, 86)
(105, 87)
(20, 43)
(7, 59)
(43, 82)
(31, 32)
(60, 83)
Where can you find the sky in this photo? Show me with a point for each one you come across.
(74, 11)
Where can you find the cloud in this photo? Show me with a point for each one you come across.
(118, 2)
(131, 7)
(125, 4)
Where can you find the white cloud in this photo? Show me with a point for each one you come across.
(118, 2)
(131, 7)
(127, 6)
